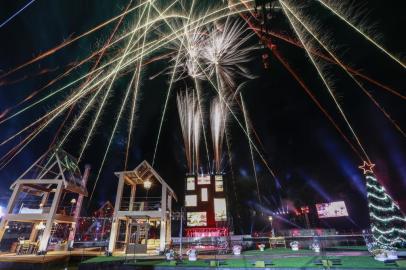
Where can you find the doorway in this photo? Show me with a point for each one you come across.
(138, 237)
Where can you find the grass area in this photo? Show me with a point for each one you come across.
(104, 259)
(365, 262)
(345, 248)
(358, 248)
(275, 251)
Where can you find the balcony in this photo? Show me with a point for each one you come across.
(142, 204)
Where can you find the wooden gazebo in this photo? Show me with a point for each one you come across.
(48, 193)
(137, 213)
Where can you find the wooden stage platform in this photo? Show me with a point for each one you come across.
(61, 256)
(33, 259)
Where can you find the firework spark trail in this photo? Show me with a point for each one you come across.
(247, 125)
(151, 48)
(105, 78)
(314, 99)
(287, 12)
(229, 108)
(116, 60)
(66, 104)
(223, 96)
(193, 118)
(68, 42)
(100, 56)
(16, 13)
(33, 94)
(341, 14)
(192, 52)
(81, 115)
(107, 93)
(196, 137)
(71, 83)
(58, 91)
(99, 52)
(55, 112)
(122, 37)
(225, 53)
(191, 45)
(329, 59)
(217, 122)
(199, 104)
(243, 130)
(178, 57)
(113, 133)
(309, 29)
(226, 103)
(8, 157)
(186, 109)
(303, 85)
(64, 87)
(296, 43)
(135, 95)
(41, 72)
(114, 73)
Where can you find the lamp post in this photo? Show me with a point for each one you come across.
(72, 202)
(182, 211)
(270, 218)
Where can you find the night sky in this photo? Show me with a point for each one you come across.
(312, 162)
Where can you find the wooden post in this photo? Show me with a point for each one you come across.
(43, 245)
(114, 226)
(132, 196)
(34, 232)
(44, 199)
(78, 207)
(127, 233)
(169, 220)
(162, 235)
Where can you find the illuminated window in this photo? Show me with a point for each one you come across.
(190, 183)
(195, 219)
(191, 200)
(203, 179)
(220, 209)
(219, 183)
(205, 195)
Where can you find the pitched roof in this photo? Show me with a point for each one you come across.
(55, 164)
(145, 171)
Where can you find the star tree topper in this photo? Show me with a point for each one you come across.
(367, 167)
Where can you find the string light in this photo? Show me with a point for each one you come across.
(387, 222)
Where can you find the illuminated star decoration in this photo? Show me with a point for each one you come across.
(367, 167)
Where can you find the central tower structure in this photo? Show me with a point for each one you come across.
(205, 202)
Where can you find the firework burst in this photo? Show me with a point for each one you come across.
(226, 51)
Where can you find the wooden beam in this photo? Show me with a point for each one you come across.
(38, 187)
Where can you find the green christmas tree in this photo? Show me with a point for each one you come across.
(388, 224)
